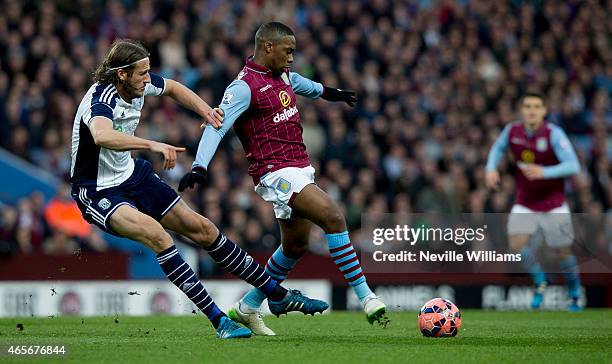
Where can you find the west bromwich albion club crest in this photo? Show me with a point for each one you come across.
(104, 204)
(541, 144)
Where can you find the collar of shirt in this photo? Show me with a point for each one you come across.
(530, 133)
(256, 67)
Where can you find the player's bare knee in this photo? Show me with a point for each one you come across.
(206, 233)
(563, 253)
(516, 246)
(334, 221)
(158, 239)
(295, 249)
(518, 242)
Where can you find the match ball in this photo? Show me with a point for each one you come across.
(439, 317)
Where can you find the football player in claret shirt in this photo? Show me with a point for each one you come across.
(544, 157)
(261, 106)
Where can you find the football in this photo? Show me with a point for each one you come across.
(439, 317)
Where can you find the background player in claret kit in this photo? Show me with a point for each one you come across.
(125, 197)
(261, 105)
(544, 157)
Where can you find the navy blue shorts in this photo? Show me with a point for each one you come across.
(144, 191)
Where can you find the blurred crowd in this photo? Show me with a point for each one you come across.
(54, 227)
(437, 81)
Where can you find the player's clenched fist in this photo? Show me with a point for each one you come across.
(492, 179)
(336, 94)
(196, 175)
(532, 171)
(169, 152)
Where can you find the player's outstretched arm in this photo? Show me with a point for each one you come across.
(187, 98)
(236, 100)
(105, 136)
(306, 87)
(336, 94)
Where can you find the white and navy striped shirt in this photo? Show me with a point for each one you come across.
(95, 166)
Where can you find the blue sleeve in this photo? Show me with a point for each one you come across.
(156, 87)
(305, 87)
(498, 149)
(103, 101)
(565, 154)
(101, 109)
(236, 100)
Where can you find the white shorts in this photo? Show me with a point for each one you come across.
(279, 186)
(555, 225)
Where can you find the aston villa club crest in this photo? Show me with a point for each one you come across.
(283, 185)
(541, 144)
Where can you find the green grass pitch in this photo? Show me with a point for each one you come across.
(485, 336)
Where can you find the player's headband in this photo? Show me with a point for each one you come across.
(127, 65)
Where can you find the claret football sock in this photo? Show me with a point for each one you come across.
(179, 273)
(278, 267)
(343, 254)
(238, 262)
